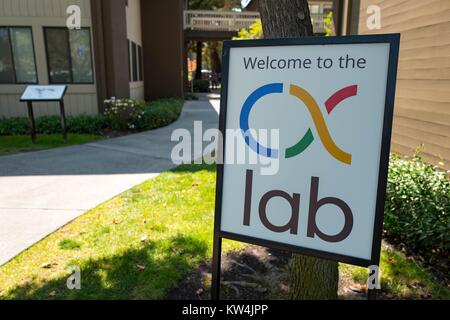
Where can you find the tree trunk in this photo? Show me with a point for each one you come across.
(216, 66)
(198, 72)
(285, 18)
(311, 278)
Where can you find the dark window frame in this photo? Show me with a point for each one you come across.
(69, 56)
(134, 61)
(141, 63)
(13, 62)
(130, 73)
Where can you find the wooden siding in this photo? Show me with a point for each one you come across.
(422, 111)
(38, 14)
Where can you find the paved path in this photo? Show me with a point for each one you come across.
(42, 191)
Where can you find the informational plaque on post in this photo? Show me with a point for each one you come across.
(44, 93)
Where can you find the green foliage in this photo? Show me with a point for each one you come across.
(328, 20)
(68, 244)
(254, 32)
(213, 4)
(14, 126)
(417, 209)
(160, 113)
(83, 124)
(124, 114)
(201, 86)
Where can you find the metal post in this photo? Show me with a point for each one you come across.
(63, 120)
(371, 294)
(216, 268)
(32, 122)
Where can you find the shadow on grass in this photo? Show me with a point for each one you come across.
(144, 273)
(192, 168)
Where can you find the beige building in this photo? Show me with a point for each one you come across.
(422, 109)
(104, 58)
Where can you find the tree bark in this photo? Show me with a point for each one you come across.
(311, 278)
(198, 72)
(285, 18)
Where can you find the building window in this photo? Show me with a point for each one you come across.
(136, 63)
(69, 55)
(17, 60)
(129, 61)
(141, 64)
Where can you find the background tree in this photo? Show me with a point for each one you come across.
(311, 278)
(255, 31)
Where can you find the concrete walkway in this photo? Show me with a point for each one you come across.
(42, 191)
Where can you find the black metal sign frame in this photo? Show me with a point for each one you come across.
(394, 41)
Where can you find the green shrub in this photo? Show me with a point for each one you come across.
(48, 125)
(14, 126)
(124, 114)
(201, 86)
(160, 113)
(135, 116)
(417, 209)
(83, 124)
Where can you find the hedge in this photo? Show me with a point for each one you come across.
(156, 114)
(160, 113)
(83, 124)
(417, 209)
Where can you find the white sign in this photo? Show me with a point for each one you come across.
(44, 93)
(329, 102)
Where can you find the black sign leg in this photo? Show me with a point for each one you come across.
(371, 294)
(216, 268)
(32, 122)
(63, 120)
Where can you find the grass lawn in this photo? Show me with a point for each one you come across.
(142, 243)
(401, 276)
(14, 144)
(136, 246)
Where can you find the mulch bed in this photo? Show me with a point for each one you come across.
(255, 273)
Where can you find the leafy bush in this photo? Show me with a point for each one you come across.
(83, 124)
(48, 125)
(135, 116)
(124, 114)
(14, 126)
(160, 113)
(201, 86)
(417, 209)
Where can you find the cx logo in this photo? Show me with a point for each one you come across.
(316, 115)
